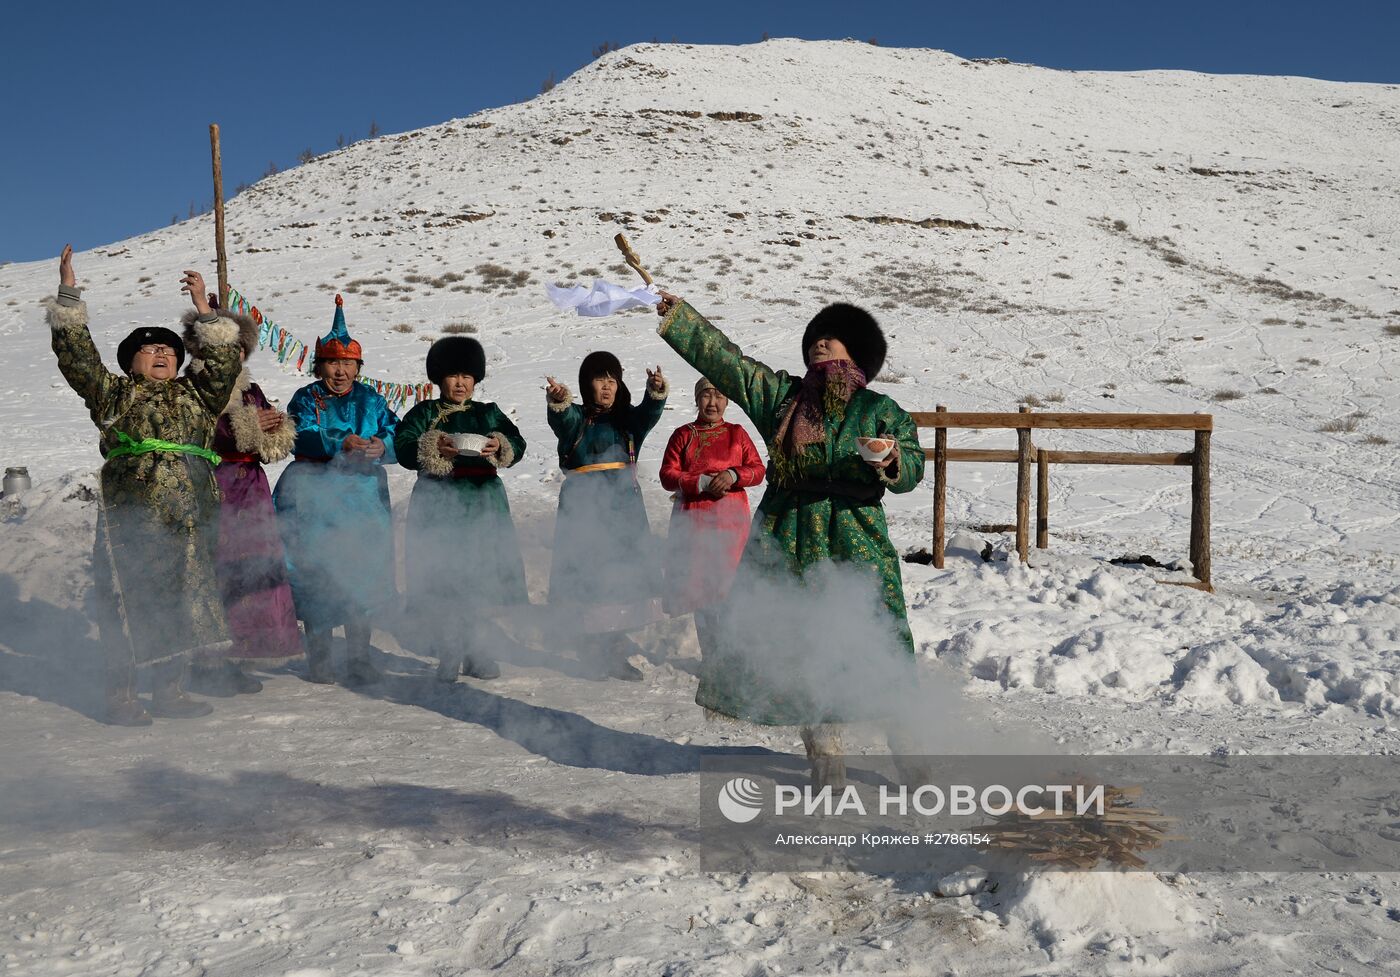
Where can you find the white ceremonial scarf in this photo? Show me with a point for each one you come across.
(604, 298)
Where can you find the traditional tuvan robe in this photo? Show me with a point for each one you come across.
(333, 508)
(603, 556)
(250, 560)
(461, 552)
(707, 535)
(758, 673)
(153, 561)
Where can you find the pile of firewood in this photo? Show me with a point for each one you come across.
(1081, 840)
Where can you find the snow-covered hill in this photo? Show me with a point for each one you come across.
(1158, 241)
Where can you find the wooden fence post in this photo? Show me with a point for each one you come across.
(219, 252)
(1042, 499)
(940, 489)
(1023, 489)
(1200, 509)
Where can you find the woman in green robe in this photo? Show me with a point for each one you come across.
(604, 573)
(821, 509)
(153, 561)
(462, 556)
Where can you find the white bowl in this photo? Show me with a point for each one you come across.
(863, 445)
(703, 482)
(469, 444)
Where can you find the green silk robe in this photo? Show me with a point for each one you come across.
(796, 532)
(604, 559)
(462, 555)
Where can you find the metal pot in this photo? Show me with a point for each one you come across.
(16, 481)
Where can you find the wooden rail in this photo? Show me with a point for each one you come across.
(1069, 421)
(1178, 458)
(1023, 422)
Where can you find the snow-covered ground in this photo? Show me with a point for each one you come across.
(1161, 241)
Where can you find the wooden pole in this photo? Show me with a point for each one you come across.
(219, 214)
(940, 489)
(1042, 499)
(1200, 509)
(1023, 490)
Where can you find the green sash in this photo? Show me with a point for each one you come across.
(127, 446)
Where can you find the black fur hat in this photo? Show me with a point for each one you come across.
(149, 335)
(856, 328)
(456, 354)
(602, 364)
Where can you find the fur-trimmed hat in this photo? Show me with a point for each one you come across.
(602, 364)
(337, 344)
(857, 330)
(247, 332)
(147, 335)
(456, 354)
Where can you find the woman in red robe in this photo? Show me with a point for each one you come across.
(708, 464)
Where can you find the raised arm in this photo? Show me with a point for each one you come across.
(643, 417)
(565, 417)
(78, 358)
(219, 349)
(753, 387)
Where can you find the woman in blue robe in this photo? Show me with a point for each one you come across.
(333, 506)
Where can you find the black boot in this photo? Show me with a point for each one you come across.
(242, 682)
(318, 657)
(122, 706)
(222, 678)
(479, 666)
(169, 700)
(359, 671)
(486, 637)
(608, 653)
(620, 649)
(209, 678)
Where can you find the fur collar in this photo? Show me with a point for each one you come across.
(244, 381)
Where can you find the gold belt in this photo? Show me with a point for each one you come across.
(600, 467)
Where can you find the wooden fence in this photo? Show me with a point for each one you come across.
(1024, 422)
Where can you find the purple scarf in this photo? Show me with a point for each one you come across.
(827, 388)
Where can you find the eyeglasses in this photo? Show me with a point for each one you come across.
(154, 350)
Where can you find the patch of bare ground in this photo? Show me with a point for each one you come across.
(931, 287)
(1166, 249)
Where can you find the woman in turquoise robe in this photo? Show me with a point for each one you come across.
(333, 506)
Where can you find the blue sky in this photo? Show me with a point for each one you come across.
(104, 107)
